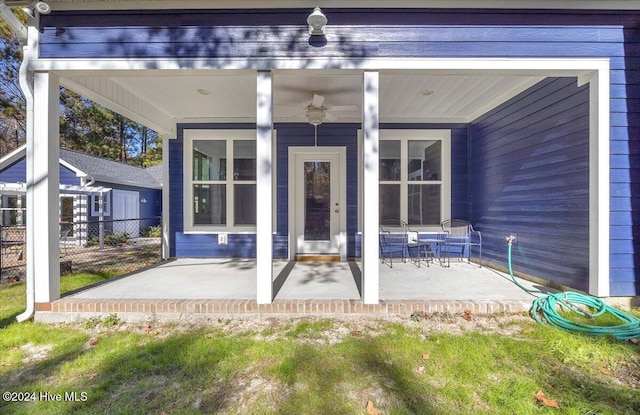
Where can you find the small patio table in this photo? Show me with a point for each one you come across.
(438, 248)
(422, 244)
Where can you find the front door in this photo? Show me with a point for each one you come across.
(318, 199)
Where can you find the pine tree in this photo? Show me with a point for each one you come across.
(84, 125)
(12, 102)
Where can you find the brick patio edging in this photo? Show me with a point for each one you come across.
(67, 309)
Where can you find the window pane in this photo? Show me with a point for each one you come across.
(424, 204)
(389, 160)
(12, 201)
(209, 204)
(13, 210)
(244, 160)
(66, 214)
(244, 199)
(425, 160)
(209, 160)
(95, 204)
(389, 202)
(317, 186)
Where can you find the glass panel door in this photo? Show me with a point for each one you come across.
(317, 203)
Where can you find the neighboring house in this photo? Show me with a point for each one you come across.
(281, 139)
(135, 192)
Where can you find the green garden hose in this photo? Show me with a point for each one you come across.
(545, 309)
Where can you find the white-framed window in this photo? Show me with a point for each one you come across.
(415, 177)
(106, 204)
(219, 180)
(13, 210)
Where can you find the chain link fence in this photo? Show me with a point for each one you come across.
(112, 247)
(13, 255)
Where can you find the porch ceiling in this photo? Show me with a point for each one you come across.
(230, 97)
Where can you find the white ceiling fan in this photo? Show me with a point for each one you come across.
(316, 113)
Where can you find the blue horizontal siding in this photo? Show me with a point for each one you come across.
(68, 177)
(150, 209)
(14, 173)
(302, 48)
(418, 34)
(17, 172)
(344, 16)
(529, 174)
(377, 33)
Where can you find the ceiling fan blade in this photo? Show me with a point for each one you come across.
(343, 108)
(317, 100)
(329, 116)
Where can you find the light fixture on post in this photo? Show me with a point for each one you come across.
(317, 22)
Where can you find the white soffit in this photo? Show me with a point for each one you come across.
(108, 92)
(231, 98)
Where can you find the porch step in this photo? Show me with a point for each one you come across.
(317, 258)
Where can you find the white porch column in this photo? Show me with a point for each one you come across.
(370, 228)
(599, 182)
(43, 206)
(165, 198)
(264, 191)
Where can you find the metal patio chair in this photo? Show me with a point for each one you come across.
(397, 238)
(460, 235)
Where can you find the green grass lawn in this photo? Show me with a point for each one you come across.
(438, 365)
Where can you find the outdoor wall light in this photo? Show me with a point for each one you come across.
(317, 22)
(43, 8)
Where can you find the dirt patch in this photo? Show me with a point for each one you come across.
(324, 330)
(35, 352)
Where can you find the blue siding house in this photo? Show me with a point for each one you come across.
(134, 192)
(292, 131)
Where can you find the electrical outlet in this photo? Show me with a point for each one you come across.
(222, 239)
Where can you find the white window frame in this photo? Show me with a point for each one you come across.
(404, 136)
(20, 209)
(190, 135)
(106, 205)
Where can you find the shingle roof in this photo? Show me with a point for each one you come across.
(110, 171)
(156, 171)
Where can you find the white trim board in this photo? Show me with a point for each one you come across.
(194, 66)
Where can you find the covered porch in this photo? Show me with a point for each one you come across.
(486, 177)
(209, 288)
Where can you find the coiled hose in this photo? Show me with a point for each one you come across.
(545, 310)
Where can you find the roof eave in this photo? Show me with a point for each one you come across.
(351, 4)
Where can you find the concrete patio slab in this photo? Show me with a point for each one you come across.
(236, 279)
(206, 288)
(460, 281)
